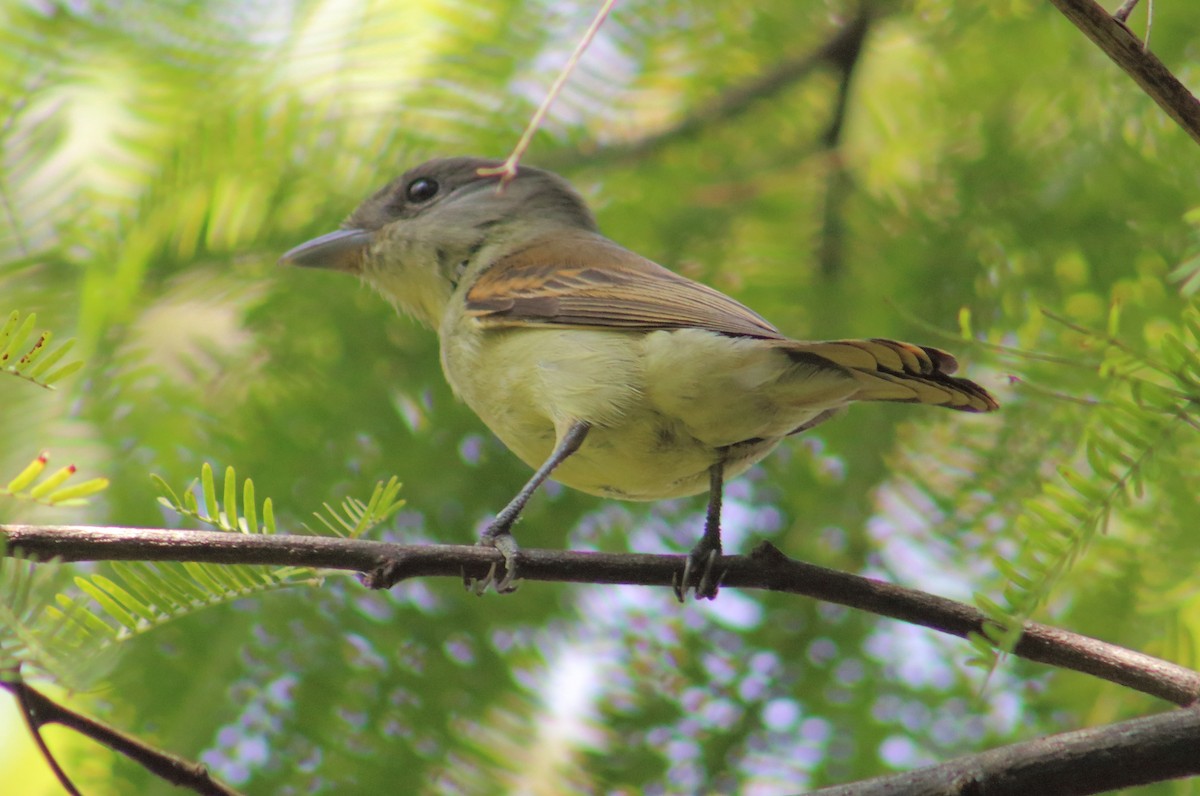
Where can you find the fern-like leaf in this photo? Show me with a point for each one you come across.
(52, 489)
(220, 514)
(39, 363)
(356, 517)
(72, 635)
(1150, 398)
(133, 598)
(36, 638)
(353, 520)
(64, 630)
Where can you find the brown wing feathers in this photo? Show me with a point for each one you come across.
(589, 281)
(889, 370)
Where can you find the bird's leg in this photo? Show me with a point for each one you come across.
(704, 555)
(499, 533)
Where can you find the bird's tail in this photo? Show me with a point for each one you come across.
(888, 370)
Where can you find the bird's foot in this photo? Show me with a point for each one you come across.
(384, 576)
(503, 541)
(700, 572)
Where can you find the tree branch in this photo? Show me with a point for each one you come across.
(27, 699)
(1096, 760)
(765, 568)
(40, 710)
(1119, 44)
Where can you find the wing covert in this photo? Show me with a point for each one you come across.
(585, 280)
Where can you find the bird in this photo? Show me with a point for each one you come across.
(613, 374)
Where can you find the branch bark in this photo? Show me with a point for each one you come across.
(40, 710)
(1119, 44)
(1096, 760)
(765, 568)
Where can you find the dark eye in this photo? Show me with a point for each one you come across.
(421, 190)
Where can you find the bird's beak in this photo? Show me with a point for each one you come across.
(338, 251)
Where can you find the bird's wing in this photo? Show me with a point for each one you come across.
(587, 281)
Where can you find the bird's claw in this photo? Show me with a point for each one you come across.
(699, 567)
(508, 583)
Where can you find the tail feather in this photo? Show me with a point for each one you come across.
(889, 370)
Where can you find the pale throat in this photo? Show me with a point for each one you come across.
(420, 292)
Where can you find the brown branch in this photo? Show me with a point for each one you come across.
(1096, 760)
(33, 722)
(1119, 44)
(765, 568)
(40, 710)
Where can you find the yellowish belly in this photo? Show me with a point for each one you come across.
(663, 407)
(645, 459)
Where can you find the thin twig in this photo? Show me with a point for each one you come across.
(1056, 395)
(509, 168)
(1122, 14)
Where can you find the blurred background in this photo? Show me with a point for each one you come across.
(920, 170)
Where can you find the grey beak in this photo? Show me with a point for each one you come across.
(338, 251)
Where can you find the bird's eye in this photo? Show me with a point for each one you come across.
(421, 190)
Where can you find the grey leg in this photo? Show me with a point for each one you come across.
(704, 555)
(499, 533)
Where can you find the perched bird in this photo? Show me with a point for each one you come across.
(619, 377)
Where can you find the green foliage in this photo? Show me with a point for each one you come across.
(1187, 273)
(358, 517)
(32, 640)
(355, 519)
(37, 363)
(1147, 413)
(157, 158)
(52, 489)
(134, 598)
(71, 636)
(220, 514)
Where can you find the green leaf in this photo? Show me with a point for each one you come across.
(62, 373)
(1084, 486)
(53, 359)
(72, 494)
(168, 497)
(208, 488)
(13, 340)
(107, 602)
(231, 508)
(29, 474)
(52, 482)
(137, 610)
(251, 515)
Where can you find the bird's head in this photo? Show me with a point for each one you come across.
(416, 237)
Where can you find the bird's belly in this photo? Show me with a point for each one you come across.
(652, 458)
(661, 413)
(644, 457)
